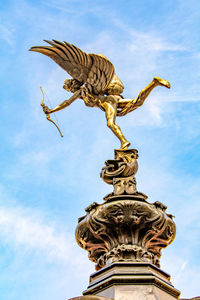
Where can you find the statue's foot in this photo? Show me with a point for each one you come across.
(125, 145)
(162, 82)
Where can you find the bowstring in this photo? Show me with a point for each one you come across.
(49, 102)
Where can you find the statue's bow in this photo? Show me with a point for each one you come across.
(47, 115)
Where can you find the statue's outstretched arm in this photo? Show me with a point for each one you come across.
(63, 104)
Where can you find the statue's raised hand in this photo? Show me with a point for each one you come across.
(46, 110)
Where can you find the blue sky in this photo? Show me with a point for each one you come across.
(46, 182)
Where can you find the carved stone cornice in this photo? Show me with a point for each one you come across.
(128, 280)
(91, 297)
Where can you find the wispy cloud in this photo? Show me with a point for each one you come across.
(22, 228)
(180, 272)
(42, 251)
(7, 32)
(52, 180)
(151, 42)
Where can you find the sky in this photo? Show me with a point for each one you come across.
(46, 182)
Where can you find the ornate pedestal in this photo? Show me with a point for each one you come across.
(124, 237)
(132, 281)
(125, 229)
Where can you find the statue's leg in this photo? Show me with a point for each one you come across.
(111, 111)
(128, 105)
(147, 90)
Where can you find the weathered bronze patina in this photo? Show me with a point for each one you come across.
(126, 227)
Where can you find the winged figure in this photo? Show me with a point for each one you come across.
(95, 82)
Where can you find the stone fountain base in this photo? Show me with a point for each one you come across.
(127, 281)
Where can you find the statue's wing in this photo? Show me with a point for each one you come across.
(101, 73)
(95, 70)
(72, 59)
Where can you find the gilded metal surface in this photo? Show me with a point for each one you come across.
(124, 165)
(95, 82)
(47, 115)
(125, 230)
(120, 172)
(125, 185)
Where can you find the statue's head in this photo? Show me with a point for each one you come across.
(72, 85)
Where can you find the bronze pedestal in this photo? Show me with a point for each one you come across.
(124, 236)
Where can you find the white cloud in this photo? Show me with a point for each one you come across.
(137, 58)
(24, 228)
(151, 42)
(180, 271)
(7, 33)
(155, 110)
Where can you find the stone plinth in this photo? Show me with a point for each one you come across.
(132, 281)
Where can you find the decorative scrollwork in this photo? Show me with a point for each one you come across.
(120, 172)
(125, 230)
(124, 165)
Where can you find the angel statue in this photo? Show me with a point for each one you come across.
(95, 82)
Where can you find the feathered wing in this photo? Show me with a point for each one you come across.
(92, 69)
(70, 58)
(101, 73)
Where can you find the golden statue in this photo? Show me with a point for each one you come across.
(95, 82)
